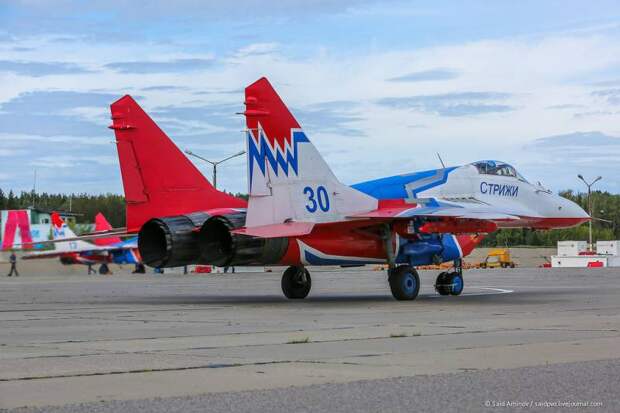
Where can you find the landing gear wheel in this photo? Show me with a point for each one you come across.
(442, 285)
(140, 269)
(449, 283)
(296, 282)
(103, 269)
(404, 282)
(456, 283)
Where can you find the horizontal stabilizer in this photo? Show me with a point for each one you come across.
(101, 225)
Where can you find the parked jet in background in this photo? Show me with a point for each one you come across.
(299, 214)
(103, 252)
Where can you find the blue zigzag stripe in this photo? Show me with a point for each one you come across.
(266, 153)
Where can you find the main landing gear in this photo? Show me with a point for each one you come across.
(296, 282)
(404, 282)
(450, 283)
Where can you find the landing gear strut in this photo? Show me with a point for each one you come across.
(296, 282)
(451, 283)
(404, 282)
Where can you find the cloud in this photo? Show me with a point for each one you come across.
(589, 153)
(313, 51)
(39, 69)
(16, 140)
(606, 83)
(256, 49)
(218, 114)
(163, 88)
(56, 101)
(565, 106)
(72, 161)
(52, 113)
(451, 104)
(235, 91)
(23, 49)
(170, 66)
(594, 113)
(594, 139)
(330, 117)
(612, 96)
(426, 75)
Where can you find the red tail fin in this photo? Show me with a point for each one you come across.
(157, 177)
(264, 106)
(102, 224)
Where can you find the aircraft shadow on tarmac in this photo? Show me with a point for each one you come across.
(477, 298)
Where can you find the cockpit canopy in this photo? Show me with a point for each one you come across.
(497, 168)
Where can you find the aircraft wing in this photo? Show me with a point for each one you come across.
(123, 245)
(477, 217)
(43, 254)
(56, 254)
(86, 237)
(466, 209)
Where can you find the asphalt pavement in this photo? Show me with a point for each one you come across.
(172, 342)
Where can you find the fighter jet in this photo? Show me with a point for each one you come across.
(71, 250)
(300, 214)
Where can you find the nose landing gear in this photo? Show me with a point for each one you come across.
(450, 283)
(296, 282)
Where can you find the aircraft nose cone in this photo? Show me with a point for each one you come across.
(573, 210)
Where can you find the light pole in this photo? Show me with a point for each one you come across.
(214, 163)
(589, 185)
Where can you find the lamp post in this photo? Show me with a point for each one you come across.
(589, 185)
(214, 163)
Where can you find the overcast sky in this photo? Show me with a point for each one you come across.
(380, 87)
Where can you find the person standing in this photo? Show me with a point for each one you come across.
(13, 261)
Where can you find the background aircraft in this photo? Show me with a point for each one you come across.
(76, 251)
(299, 214)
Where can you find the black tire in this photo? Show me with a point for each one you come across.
(140, 269)
(296, 282)
(404, 283)
(442, 284)
(103, 269)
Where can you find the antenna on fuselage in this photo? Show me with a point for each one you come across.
(441, 160)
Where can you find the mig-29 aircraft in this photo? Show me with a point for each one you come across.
(300, 214)
(71, 250)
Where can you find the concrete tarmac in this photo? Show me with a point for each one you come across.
(226, 342)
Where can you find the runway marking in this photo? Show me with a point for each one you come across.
(494, 291)
(499, 290)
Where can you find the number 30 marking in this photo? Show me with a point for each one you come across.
(321, 201)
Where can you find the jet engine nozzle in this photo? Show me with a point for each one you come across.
(220, 247)
(202, 238)
(171, 241)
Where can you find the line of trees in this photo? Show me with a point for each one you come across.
(111, 205)
(604, 205)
